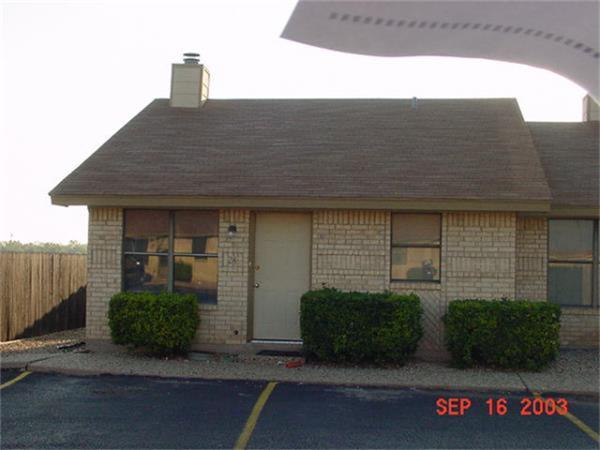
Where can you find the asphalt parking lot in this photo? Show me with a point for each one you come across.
(56, 411)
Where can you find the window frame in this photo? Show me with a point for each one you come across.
(593, 263)
(393, 246)
(170, 254)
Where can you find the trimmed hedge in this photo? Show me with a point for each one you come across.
(357, 327)
(508, 334)
(157, 323)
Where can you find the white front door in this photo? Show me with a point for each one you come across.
(282, 273)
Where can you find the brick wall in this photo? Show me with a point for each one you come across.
(434, 308)
(531, 258)
(479, 254)
(105, 234)
(579, 327)
(351, 250)
(433, 302)
(227, 321)
(484, 255)
(224, 323)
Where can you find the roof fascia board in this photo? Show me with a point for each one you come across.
(574, 211)
(302, 203)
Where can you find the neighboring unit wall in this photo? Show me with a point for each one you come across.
(227, 321)
(351, 250)
(532, 259)
(579, 327)
(105, 235)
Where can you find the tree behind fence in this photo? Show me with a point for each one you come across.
(41, 293)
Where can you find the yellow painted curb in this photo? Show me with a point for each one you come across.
(577, 422)
(14, 380)
(244, 438)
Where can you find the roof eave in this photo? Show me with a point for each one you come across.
(417, 204)
(575, 211)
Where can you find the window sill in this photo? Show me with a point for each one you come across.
(207, 306)
(423, 285)
(580, 310)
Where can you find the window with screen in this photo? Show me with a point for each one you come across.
(572, 262)
(416, 247)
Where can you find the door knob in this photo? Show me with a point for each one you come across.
(257, 285)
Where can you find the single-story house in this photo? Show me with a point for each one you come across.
(249, 203)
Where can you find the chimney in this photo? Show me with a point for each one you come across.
(189, 82)
(590, 109)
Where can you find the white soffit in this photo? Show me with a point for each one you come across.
(561, 36)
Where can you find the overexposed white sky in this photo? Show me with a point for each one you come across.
(73, 72)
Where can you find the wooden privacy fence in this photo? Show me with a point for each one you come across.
(41, 293)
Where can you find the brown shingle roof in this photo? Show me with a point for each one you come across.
(569, 155)
(363, 149)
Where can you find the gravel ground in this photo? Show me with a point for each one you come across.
(417, 374)
(575, 371)
(42, 344)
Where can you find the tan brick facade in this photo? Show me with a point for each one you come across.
(105, 235)
(484, 255)
(579, 327)
(351, 250)
(227, 321)
(477, 261)
(532, 258)
(224, 323)
(478, 251)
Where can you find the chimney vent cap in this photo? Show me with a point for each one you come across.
(191, 58)
(414, 103)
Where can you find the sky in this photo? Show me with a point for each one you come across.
(73, 72)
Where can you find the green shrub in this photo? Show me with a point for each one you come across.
(356, 327)
(508, 334)
(157, 323)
